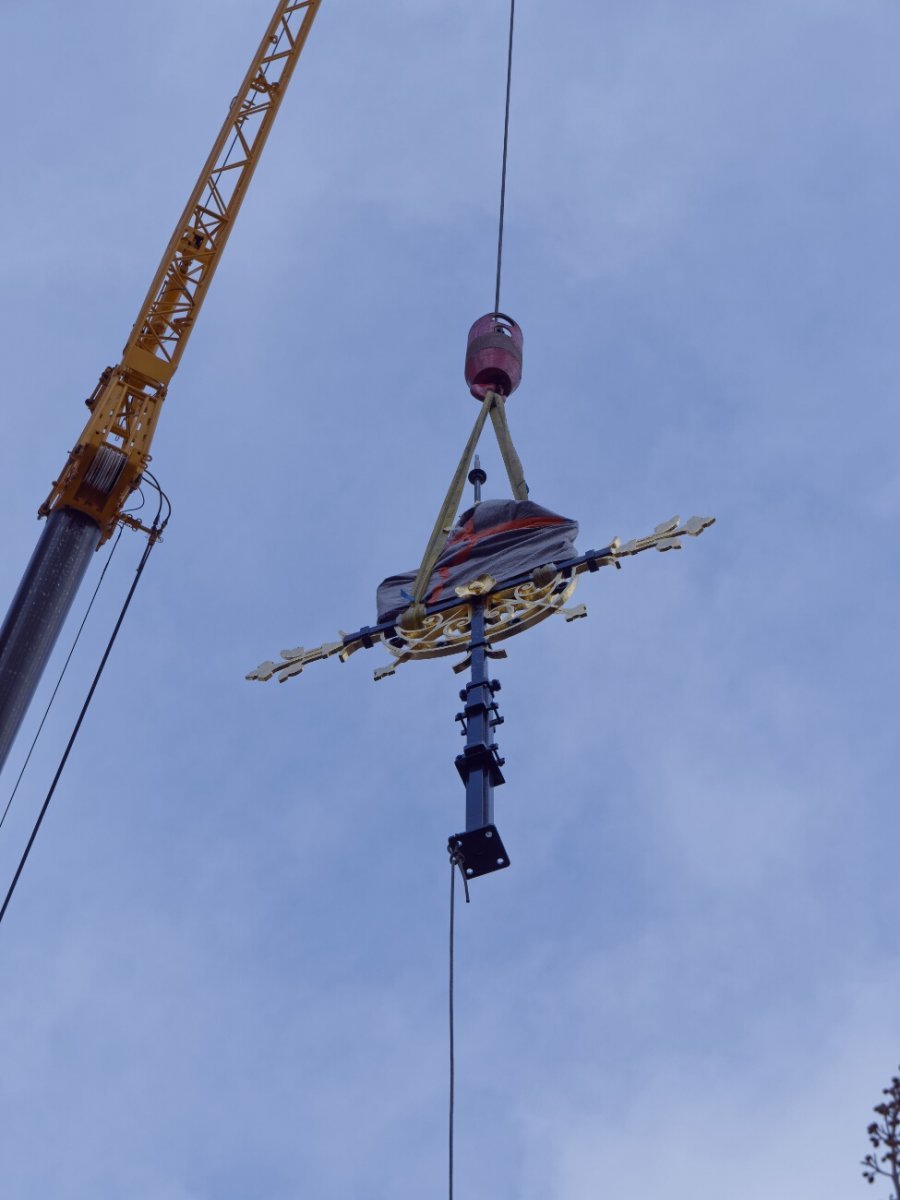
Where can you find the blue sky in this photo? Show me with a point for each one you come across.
(224, 972)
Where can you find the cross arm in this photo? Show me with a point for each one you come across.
(666, 536)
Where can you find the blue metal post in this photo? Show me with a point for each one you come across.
(479, 849)
(479, 764)
(479, 790)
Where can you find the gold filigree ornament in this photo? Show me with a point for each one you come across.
(507, 611)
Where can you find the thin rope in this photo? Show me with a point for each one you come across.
(452, 1042)
(509, 62)
(61, 675)
(456, 861)
(155, 534)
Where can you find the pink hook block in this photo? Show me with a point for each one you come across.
(494, 356)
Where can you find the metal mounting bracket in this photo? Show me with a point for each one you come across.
(479, 851)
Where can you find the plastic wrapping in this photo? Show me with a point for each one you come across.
(502, 538)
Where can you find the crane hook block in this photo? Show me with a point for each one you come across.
(494, 356)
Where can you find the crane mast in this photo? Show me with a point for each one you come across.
(87, 501)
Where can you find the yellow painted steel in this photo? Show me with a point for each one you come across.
(114, 448)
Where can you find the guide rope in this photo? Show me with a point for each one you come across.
(155, 532)
(452, 1042)
(456, 862)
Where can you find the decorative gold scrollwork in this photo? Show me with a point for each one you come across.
(507, 611)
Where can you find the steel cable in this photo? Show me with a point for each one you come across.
(154, 536)
(454, 861)
(509, 62)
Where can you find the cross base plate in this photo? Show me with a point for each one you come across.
(480, 851)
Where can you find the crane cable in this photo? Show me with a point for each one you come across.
(494, 405)
(514, 469)
(509, 62)
(155, 532)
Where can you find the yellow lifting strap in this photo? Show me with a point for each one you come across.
(495, 404)
(511, 460)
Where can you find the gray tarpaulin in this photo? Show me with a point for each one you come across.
(502, 538)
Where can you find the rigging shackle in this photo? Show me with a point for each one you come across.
(494, 356)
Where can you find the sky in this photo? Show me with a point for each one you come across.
(224, 972)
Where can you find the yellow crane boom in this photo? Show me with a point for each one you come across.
(114, 447)
(87, 501)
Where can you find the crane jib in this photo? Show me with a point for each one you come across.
(87, 501)
(126, 406)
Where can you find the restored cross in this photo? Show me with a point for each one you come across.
(504, 567)
(479, 614)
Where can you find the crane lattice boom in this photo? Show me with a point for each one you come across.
(114, 447)
(87, 501)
